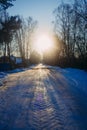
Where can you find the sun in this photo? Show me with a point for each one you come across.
(43, 43)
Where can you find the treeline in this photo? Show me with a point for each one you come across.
(15, 34)
(69, 36)
(70, 27)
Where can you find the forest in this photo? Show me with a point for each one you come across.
(69, 35)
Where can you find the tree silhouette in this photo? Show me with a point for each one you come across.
(5, 4)
(70, 25)
(8, 28)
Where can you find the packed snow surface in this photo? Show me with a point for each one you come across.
(43, 98)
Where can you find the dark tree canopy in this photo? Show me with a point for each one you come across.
(5, 4)
(7, 31)
(9, 27)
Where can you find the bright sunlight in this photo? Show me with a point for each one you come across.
(43, 43)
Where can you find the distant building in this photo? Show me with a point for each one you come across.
(6, 65)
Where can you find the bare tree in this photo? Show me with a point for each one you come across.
(5, 4)
(24, 37)
(8, 28)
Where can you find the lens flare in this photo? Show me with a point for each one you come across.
(43, 43)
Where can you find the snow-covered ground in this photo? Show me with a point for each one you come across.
(43, 98)
(77, 77)
(2, 77)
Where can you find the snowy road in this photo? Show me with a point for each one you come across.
(42, 98)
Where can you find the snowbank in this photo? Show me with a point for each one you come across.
(2, 76)
(76, 77)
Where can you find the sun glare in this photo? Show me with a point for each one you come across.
(43, 43)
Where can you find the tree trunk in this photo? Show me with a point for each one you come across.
(4, 60)
(8, 48)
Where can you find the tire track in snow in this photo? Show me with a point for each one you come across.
(43, 114)
(62, 111)
(41, 99)
(74, 100)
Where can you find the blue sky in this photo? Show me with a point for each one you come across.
(40, 10)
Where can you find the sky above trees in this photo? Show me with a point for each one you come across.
(40, 10)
